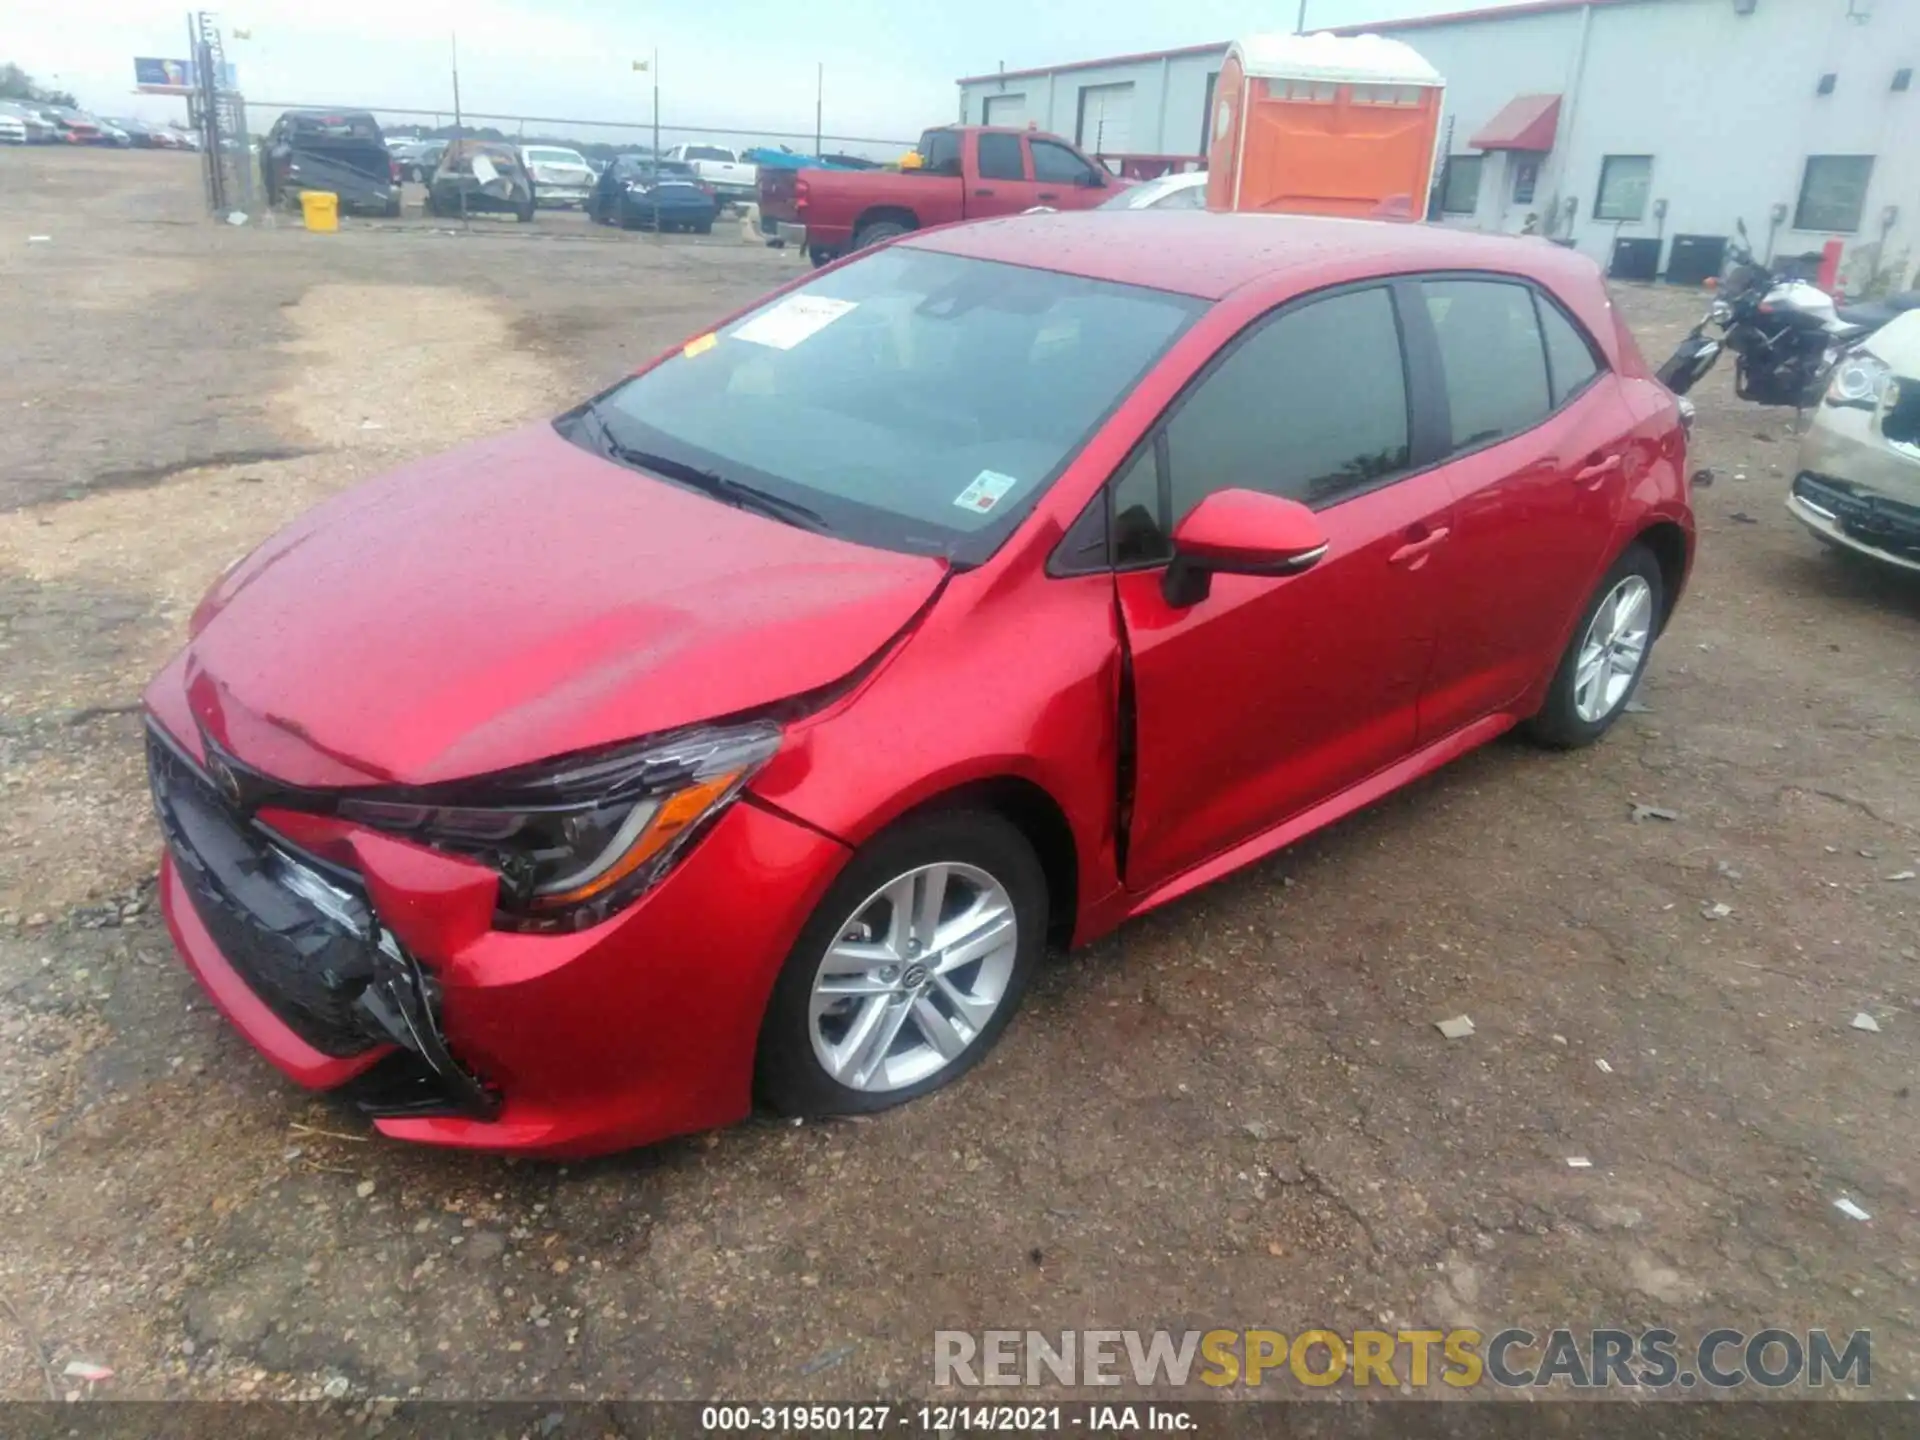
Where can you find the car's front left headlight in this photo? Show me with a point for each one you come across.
(577, 840)
(1857, 380)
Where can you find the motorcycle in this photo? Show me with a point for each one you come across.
(1786, 335)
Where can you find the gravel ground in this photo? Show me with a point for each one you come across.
(1236, 1112)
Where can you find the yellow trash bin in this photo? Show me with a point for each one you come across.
(320, 209)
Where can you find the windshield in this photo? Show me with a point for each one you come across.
(541, 155)
(916, 401)
(708, 152)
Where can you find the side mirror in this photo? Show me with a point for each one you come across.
(1240, 532)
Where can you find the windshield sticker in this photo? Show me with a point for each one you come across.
(985, 491)
(793, 320)
(700, 346)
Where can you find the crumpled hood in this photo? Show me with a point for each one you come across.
(518, 599)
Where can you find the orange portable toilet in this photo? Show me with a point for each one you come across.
(1324, 125)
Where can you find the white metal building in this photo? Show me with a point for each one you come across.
(1638, 130)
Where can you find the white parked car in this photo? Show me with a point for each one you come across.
(13, 130)
(1857, 485)
(721, 170)
(560, 176)
(1185, 191)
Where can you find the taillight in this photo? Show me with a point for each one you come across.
(799, 194)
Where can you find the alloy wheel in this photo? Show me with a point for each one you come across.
(914, 976)
(1613, 649)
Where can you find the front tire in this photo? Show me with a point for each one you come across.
(908, 970)
(1607, 656)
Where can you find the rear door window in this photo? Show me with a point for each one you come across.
(1000, 158)
(1493, 357)
(940, 152)
(1570, 362)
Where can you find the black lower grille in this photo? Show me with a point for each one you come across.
(1890, 525)
(302, 964)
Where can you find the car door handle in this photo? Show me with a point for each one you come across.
(984, 194)
(1048, 195)
(1591, 475)
(1415, 550)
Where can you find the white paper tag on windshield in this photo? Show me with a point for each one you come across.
(985, 491)
(793, 320)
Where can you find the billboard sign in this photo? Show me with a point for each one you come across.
(173, 77)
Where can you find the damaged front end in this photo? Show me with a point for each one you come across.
(304, 937)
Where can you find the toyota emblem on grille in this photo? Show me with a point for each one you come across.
(224, 778)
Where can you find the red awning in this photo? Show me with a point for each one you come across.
(1527, 123)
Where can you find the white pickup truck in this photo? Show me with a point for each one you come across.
(731, 178)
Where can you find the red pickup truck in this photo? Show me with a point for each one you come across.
(968, 172)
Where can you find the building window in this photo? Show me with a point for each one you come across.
(1624, 183)
(1460, 186)
(1526, 176)
(1206, 111)
(1833, 193)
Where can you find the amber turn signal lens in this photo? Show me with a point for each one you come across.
(669, 822)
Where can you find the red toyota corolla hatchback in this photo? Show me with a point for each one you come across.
(757, 724)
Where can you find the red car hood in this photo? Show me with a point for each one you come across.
(518, 599)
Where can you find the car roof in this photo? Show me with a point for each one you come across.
(1210, 255)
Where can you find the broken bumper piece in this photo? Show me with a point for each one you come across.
(292, 952)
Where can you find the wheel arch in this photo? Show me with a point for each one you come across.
(1672, 549)
(1032, 810)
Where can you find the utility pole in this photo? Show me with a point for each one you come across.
(459, 134)
(1300, 28)
(819, 103)
(656, 108)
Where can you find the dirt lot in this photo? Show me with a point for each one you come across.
(1235, 1113)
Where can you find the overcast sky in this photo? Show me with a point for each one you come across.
(890, 64)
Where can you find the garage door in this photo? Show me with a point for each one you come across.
(1106, 119)
(1004, 110)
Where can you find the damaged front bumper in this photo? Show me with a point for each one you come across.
(303, 940)
(355, 961)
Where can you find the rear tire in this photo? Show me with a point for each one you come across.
(985, 865)
(878, 231)
(393, 208)
(820, 255)
(524, 214)
(705, 227)
(1604, 662)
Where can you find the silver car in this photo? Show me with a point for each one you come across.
(1857, 486)
(560, 176)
